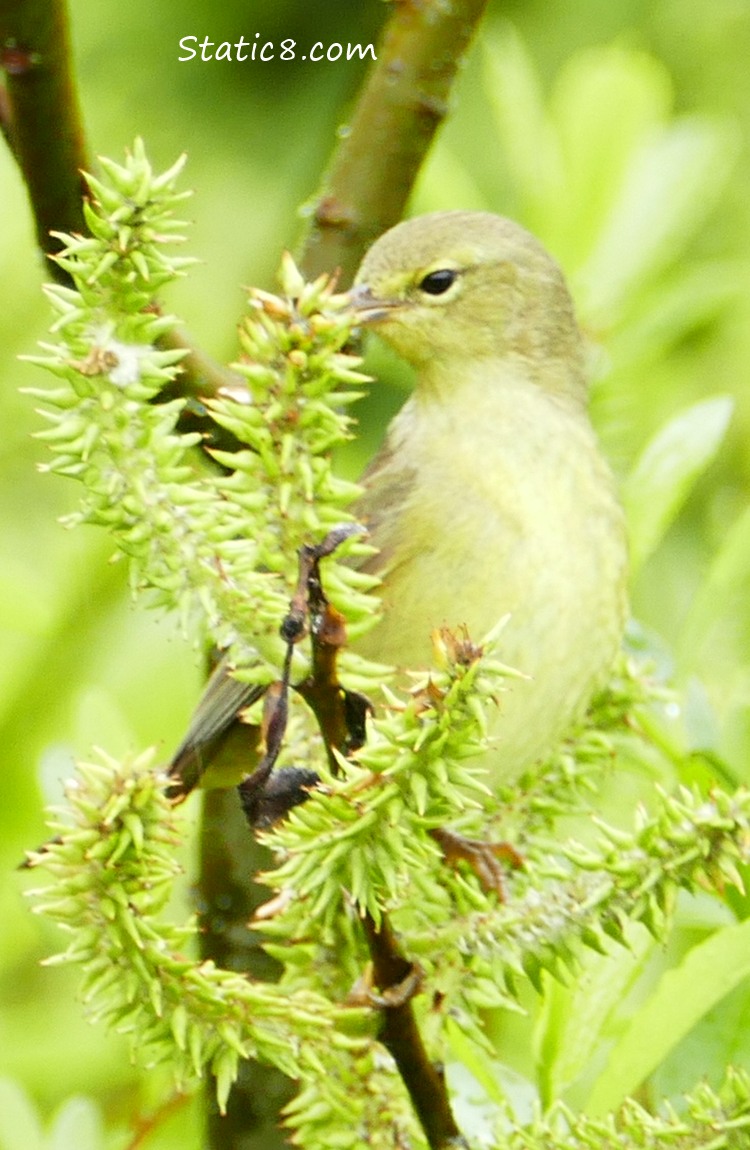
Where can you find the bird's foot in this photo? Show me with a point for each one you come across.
(489, 861)
(270, 800)
(363, 993)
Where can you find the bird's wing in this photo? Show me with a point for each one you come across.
(386, 487)
(218, 708)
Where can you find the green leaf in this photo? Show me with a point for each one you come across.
(683, 996)
(20, 1128)
(593, 83)
(670, 187)
(474, 1058)
(721, 1039)
(722, 598)
(572, 1024)
(691, 297)
(667, 469)
(527, 140)
(76, 1126)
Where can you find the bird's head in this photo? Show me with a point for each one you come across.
(449, 286)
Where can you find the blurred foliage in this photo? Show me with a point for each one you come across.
(619, 133)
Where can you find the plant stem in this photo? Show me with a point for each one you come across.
(41, 117)
(395, 977)
(401, 1037)
(403, 103)
(230, 858)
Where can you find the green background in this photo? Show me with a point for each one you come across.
(82, 665)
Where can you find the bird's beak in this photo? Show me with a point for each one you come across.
(367, 307)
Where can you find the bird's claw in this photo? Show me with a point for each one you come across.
(489, 861)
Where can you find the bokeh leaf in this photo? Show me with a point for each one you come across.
(77, 1125)
(596, 159)
(20, 1128)
(670, 187)
(527, 140)
(572, 1025)
(723, 595)
(667, 469)
(684, 994)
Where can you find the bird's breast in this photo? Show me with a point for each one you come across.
(511, 512)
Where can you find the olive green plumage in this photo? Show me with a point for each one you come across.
(490, 496)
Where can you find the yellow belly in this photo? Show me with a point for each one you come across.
(527, 524)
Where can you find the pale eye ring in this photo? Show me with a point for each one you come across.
(439, 281)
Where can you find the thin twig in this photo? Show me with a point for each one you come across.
(400, 1035)
(395, 977)
(145, 1127)
(201, 377)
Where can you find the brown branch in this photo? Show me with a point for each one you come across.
(201, 377)
(230, 857)
(396, 979)
(400, 1035)
(403, 103)
(340, 714)
(41, 115)
(143, 1128)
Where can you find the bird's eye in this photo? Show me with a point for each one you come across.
(438, 282)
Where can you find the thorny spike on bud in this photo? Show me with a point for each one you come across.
(290, 278)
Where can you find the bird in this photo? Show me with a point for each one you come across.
(490, 498)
